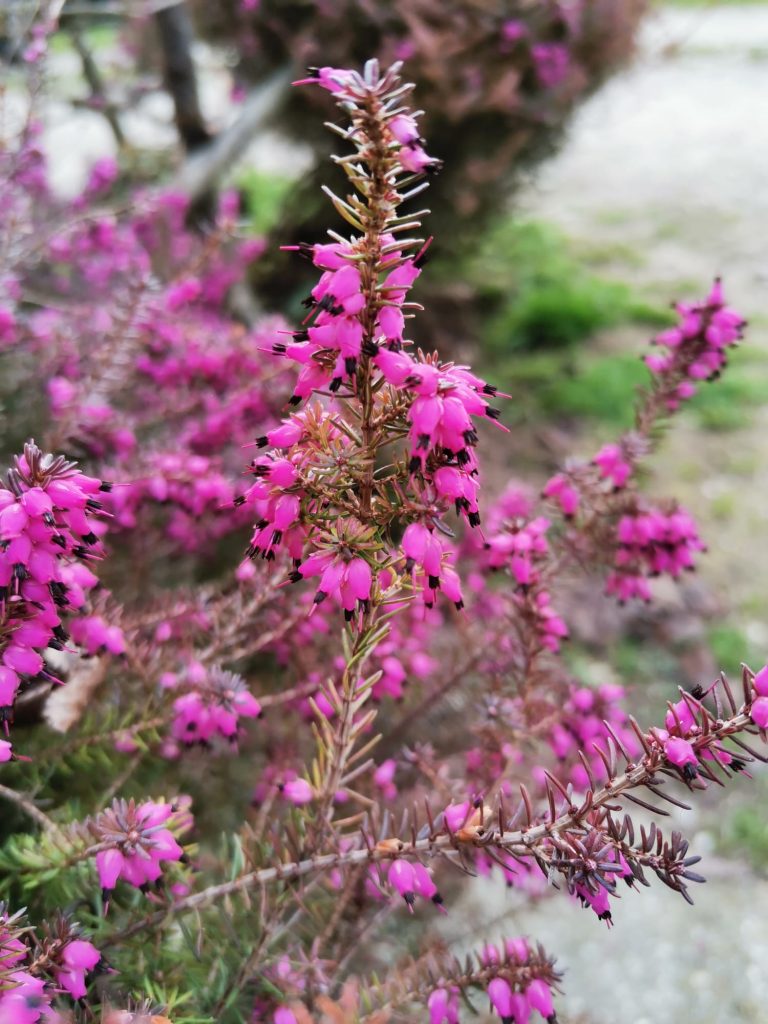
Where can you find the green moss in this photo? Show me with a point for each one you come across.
(263, 195)
(747, 833)
(730, 647)
(536, 292)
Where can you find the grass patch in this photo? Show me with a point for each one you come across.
(97, 37)
(730, 646)
(537, 293)
(264, 195)
(602, 389)
(747, 833)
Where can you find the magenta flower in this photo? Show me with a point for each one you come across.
(78, 958)
(759, 712)
(26, 1002)
(213, 708)
(49, 529)
(696, 349)
(140, 841)
(402, 878)
(297, 791)
(500, 995)
(284, 1015)
(443, 1006)
(560, 488)
(613, 465)
(680, 753)
(539, 997)
(760, 682)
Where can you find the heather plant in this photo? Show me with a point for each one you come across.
(260, 780)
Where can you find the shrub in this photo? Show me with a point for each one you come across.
(374, 697)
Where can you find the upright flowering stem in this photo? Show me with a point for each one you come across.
(374, 221)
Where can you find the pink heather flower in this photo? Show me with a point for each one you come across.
(443, 1006)
(599, 901)
(680, 713)
(141, 842)
(404, 129)
(350, 581)
(539, 997)
(182, 294)
(564, 493)
(455, 815)
(6, 751)
(402, 877)
(78, 958)
(415, 159)
(384, 776)
(213, 708)
(680, 752)
(424, 886)
(613, 465)
(500, 995)
(332, 79)
(284, 1015)
(512, 30)
(516, 949)
(696, 347)
(285, 436)
(298, 792)
(552, 62)
(760, 682)
(759, 712)
(7, 326)
(26, 1001)
(489, 954)
(103, 173)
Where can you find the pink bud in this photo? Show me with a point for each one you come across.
(424, 886)
(9, 684)
(680, 752)
(283, 1015)
(298, 791)
(759, 712)
(760, 682)
(437, 1004)
(109, 864)
(359, 579)
(402, 878)
(539, 997)
(500, 995)
(80, 955)
(36, 502)
(22, 660)
(13, 519)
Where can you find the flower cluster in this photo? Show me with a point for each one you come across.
(213, 707)
(317, 490)
(696, 349)
(32, 975)
(135, 840)
(49, 536)
(651, 542)
(159, 384)
(412, 880)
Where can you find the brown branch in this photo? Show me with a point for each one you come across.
(525, 842)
